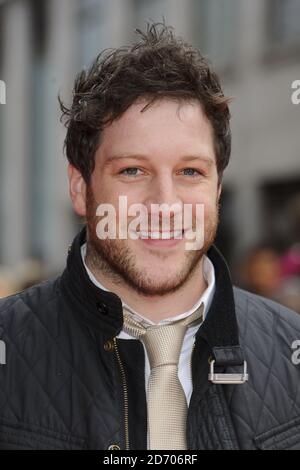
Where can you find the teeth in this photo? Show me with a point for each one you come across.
(155, 235)
(164, 236)
(178, 234)
(143, 235)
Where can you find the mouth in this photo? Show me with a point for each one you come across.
(160, 239)
(160, 235)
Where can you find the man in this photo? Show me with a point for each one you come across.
(90, 355)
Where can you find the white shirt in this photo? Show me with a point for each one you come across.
(184, 365)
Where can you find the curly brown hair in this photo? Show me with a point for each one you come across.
(159, 65)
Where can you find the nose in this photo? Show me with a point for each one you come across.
(163, 192)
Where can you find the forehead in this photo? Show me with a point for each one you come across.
(164, 125)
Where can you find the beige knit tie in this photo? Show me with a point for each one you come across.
(167, 405)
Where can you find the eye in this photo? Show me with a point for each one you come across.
(132, 171)
(193, 172)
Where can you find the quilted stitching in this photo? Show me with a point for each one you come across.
(77, 397)
(30, 376)
(279, 400)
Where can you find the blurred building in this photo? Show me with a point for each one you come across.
(254, 45)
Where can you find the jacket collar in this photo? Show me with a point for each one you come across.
(102, 310)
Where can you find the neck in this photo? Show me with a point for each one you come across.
(155, 308)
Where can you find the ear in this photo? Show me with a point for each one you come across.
(77, 190)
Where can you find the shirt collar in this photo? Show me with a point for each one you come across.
(102, 311)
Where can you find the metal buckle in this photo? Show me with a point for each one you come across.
(227, 378)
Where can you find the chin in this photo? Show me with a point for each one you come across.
(163, 281)
(155, 281)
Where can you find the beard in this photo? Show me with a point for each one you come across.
(118, 261)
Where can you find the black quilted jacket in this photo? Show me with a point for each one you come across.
(69, 384)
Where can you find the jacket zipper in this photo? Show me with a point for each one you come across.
(125, 395)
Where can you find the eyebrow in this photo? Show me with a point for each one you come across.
(209, 161)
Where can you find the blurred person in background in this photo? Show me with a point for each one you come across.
(7, 283)
(289, 291)
(22, 276)
(267, 272)
(274, 273)
(261, 271)
(141, 344)
(28, 273)
(290, 260)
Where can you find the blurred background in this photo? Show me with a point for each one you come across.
(255, 47)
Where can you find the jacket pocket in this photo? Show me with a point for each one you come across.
(20, 436)
(283, 437)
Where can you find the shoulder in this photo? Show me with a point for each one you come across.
(16, 310)
(270, 337)
(269, 403)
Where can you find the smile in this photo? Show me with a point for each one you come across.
(144, 235)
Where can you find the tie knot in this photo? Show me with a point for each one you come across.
(162, 342)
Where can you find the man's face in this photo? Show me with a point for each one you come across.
(164, 154)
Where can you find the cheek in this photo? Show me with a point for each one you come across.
(104, 194)
(112, 193)
(103, 187)
(207, 205)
